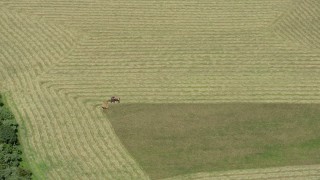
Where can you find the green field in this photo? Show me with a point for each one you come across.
(175, 139)
(60, 59)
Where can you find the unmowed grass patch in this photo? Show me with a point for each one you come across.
(175, 139)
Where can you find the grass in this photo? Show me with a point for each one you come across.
(61, 60)
(176, 139)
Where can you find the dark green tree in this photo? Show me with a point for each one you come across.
(10, 153)
(5, 113)
(8, 134)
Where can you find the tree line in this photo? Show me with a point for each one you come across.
(10, 149)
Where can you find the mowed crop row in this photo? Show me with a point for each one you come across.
(305, 30)
(58, 142)
(281, 74)
(61, 59)
(141, 16)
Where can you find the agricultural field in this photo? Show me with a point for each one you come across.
(173, 139)
(60, 59)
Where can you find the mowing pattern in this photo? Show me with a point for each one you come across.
(61, 59)
(304, 32)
